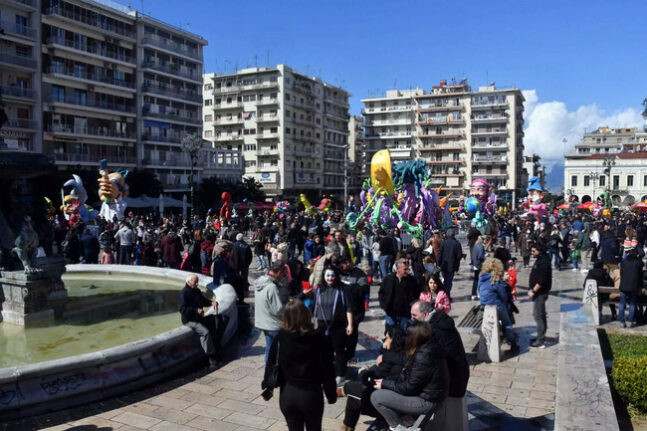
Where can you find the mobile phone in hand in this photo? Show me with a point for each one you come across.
(267, 394)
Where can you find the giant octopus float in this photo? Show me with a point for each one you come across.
(400, 195)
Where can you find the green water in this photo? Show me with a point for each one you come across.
(101, 312)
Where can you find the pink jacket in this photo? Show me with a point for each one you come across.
(442, 302)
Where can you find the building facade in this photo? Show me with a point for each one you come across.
(87, 80)
(461, 133)
(356, 153)
(613, 160)
(291, 129)
(532, 167)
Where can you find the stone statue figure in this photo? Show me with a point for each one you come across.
(26, 246)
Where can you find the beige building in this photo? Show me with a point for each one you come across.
(532, 167)
(356, 153)
(84, 80)
(461, 133)
(608, 159)
(291, 129)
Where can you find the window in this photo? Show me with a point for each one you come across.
(586, 180)
(574, 181)
(208, 117)
(208, 133)
(208, 102)
(630, 180)
(58, 94)
(603, 180)
(79, 97)
(616, 182)
(645, 181)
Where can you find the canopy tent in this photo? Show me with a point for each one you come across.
(136, 202)
(148, 202)
(258, 206)
(640, 206)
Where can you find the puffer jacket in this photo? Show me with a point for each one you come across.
(424, 375)
(492, 294)
(457, 365)
(268, 305)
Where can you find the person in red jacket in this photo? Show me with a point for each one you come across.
(171, 249)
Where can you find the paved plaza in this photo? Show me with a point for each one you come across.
(516, 394)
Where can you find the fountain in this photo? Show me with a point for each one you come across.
(80, 333)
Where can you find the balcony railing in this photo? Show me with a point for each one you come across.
(85, 47)
(176, 139)
(19, 29)
(225, 121)
(171, 68)
(89, 130)
(170, 161)
(267, 118)
(20, 123)
(273, 135)
(490, 118)
(171, 114)
(267, 102)
(178, 93)
(386, 109)
(449, 146)
(12, 91)
(19, 60)
(490, 159)
(90, 102)
(441, 106)
(484, 132)
(171, 45)
(30, 3)
(379, 123)
(388, 135)
(92, 158)
(61, 70)
(224, 138)
(89, 20)
(489, 146)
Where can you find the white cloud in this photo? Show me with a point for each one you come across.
(548, 123)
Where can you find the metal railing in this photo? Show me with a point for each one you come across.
(171, 68)
(171, 45)
(161, 138)
(90, 102)
(171, 114)
(12, 91)
(19, 29)
(21, 123)
(97, 49)
(180, 93)
(30, 3)
(89, 130)
(61, 70)
(91, 158)
(19, 60)
(92, 21)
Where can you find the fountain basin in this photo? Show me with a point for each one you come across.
(61, 383)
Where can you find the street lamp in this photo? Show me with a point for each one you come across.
(192, 144)
(594, 177)
(608, 163)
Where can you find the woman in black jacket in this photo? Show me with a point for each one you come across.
(389, 365)
(422, 385)
(631, 283)
(305, 360)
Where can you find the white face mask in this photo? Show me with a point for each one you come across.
(536, 200)
(329, 276)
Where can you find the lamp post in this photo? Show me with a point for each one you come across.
(192, 144)
(594, 177)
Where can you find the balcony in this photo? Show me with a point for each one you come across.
(96, 49)
(172, 69)
(173, 114)
(20, 123)
(90, 21)
(175, 92)
(455, 146)
(102, 132)
(227, 121)
(490, 119)
(93, 158)
(90, 101)
(440, 121)
(308, 121)
(490, 160)
(228, 137)
(490, 147)
(172, 139)
(382, 109)
(10, 91)
(61, 70)
(490, 174)
(441, 107)
(266, 102)
(18, 60)
(493, 132)
(303, 88)
(18, 30)
(389, 135)
(267, 119)
(446, 162)
(25, 3)
(379, 123)
(268, 152)
(477, 105)
(445, 135)
(273, 135)
(171, 45)
(171, 161)
(225, 90)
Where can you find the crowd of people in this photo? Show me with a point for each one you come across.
(313, 289)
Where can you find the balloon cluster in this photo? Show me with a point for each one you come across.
(324, 205)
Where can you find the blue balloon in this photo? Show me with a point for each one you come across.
(472, 204)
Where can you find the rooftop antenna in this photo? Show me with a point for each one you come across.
(255, 60)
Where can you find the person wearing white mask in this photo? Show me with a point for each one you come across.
(334, 318)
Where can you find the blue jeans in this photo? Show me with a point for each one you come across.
(448, 280)
(292, 249)
(386, 263)
(262, 263)
(269, 338)
(554, 257)
(574, 263)
(504, 317)
(401, 321)
(623, 303)
(375, 270)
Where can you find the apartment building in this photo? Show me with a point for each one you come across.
(532, 167)
(86, 80)
(461, 133)
(291, 129)
(20, 74)
(613, 160)
(356, 151)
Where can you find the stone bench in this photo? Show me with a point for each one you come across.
(583, 401)
(594, 298)
(484, 321)
(452, 415)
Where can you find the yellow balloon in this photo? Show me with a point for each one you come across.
(381, 172)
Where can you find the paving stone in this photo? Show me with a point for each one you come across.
(209, 424)
(540, 395)
(196, 397)
(237, 395)
(135, 419)
(173, 403)
(172, 415)
(197, 387)
(249, 420)
(241, 406)
(208, 411)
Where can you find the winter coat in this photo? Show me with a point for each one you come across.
(267, 304)
(396, 296)
(492, 294)
(478, 256)
(631, 275)
(425, 374)
(449, 338)
(450, 255)
(541, 273)
(189, 301)
(610, 248)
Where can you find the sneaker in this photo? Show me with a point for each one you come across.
(632, 324)
(474, 297)
(537, 344)
(574, 269)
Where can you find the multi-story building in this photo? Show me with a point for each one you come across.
(84, 80)
(291, 129)
(532, 167)
(461, 133)
(613, 160)
(20, 74)
(356, 165)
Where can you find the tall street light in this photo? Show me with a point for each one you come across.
(192, 144)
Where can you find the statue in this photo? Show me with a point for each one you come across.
(480, 189)
(112, 189)
(26, 246)
(535, 197)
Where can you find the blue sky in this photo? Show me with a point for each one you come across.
(581, 62)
